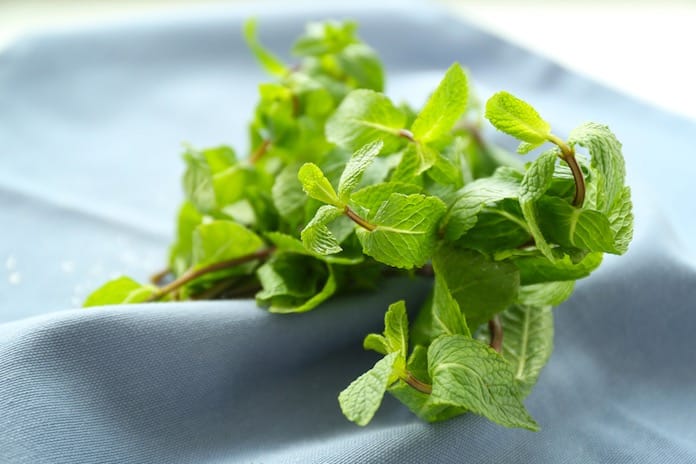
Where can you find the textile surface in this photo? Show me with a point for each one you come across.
(91, 123)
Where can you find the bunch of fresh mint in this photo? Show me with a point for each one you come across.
(343, 187)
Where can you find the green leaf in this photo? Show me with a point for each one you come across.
(469, 374)
(220, 240)
(621, 220)
(289, 244)
(362, 398)
(427, 156)
(499, 228)
(372, 196)
(317, 237)
(536, 181)
(355, 168)
(444, 107)
(440, 315)
(181, 251)
(546, 293)
(472, 198)
(405, 230)
(363, 117)
(574, 227)
(538, 269)
(325, 37)
(482, 287)
(528, 342)
(122, 290)
(293, 283)
(271, 64)
(316, 185)
(288, 197)
(607, 161)
(516, 117)
(362, 64)
(394, 339)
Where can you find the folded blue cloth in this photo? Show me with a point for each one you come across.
(90, 126)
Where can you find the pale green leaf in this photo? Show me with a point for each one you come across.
(288, 244)
(362, 398)
(363, 117)
(528, 341)
(372, 196)
(181, 251)
(122, 290)
(405, 230)
(221, 240)
(606, 160)
(270, 62)
(546, 293)
(469, 374)
(472, 198)
(316, 185)
(516, 117)
(287, 194)
(536, 181)
(362, 64)
(355, 168)
(317, 237)
(444, 107)
(621, 220)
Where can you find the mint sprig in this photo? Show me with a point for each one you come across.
(341, 187)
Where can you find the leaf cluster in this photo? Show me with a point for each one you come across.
(342, 186)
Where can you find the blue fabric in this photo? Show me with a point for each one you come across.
(90, 126)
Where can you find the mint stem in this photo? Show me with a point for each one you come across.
(407, 134)
(358, 220)
(568, 155)
(259, 152)
(496, 329)
(158, 277)
(193, 274)
(413, 382)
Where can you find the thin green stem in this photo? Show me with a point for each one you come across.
(419, 385)
(568, 155)
(193, 273)
(353, 216)
(259, 152)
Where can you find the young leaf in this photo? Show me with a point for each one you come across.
(535, 183)
(270, 63)
(363, 117)
(122, 290)
(355, 168)
(223, 240)
(316, 185)
(362, 398)
(405, 230)
(394, 339)
(482, 287)
(325, 37)
(528, 342)
(516, 117)
(444, 107)
(469, 374)
(427, 156)
(317, 237)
